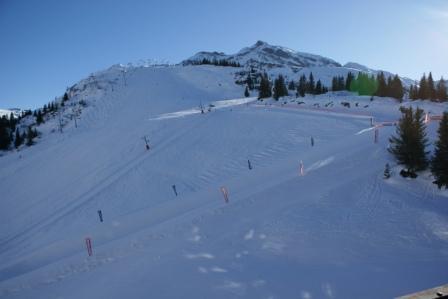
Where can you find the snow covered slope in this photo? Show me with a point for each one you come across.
(280, 60)
(338, 231)
(15, 111)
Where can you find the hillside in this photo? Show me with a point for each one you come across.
(280, 60)
(337, 231)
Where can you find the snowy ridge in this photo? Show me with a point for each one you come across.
(262, 54)
(280, 60)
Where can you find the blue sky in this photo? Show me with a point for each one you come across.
(48, 45)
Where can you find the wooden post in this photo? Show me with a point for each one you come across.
(89, 246)
(100, 215)
(146, 143)
(174, 189)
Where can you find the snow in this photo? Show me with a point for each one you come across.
(7, 112)
(277, 60)
(339, 231)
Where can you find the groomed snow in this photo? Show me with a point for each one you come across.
(338, 231)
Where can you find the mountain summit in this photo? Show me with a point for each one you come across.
(264, 55)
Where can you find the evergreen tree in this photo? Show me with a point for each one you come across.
(349, 80)
(18, 139)
(441, 90)
(30, 136)
(310, 86)
(364, 85)
(301, 87)
(413, 92)
(5, 136)
(396, 88)
(341, 82)
(389, 86)
(246, 92)
(65, 97)
(265, 87)
(291, 85)
(250, 82)
(439, 163)
(409, 145)
(12, 122)
(318, 89)
(382, 85)
(39, 118)
(280, 88)
(423, 89)
(431, 91)
(334, 84)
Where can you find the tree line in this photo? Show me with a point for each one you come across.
(409, 146)
(217, 62)
(363, 84)
(428, 90)
(12, 133)
(278, 88)
(371, 85)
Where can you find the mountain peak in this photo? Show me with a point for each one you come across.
(266, 56)
(260, 43)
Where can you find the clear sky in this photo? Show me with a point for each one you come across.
(48, 45)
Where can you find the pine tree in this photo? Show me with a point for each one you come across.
(280, 87)
(246, 92)
(318, 89)
(409, 145)
(396, 89)
(39, 118)
(310, 87)
(349, 80)
(413, 92)
(382, 85)
(439, 163)
(334, 84)
(291, 85)
(18, 139)
(364, 85)
(389, 84)
(5, 136)
(12, 122)
(265, 87)
(341, 82)
(29, 137)
(301, 87)
(441, 90)
(250, 82)
(431, 91)
(65, 97)
(422, 91)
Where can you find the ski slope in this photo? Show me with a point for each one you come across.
(338, 231)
